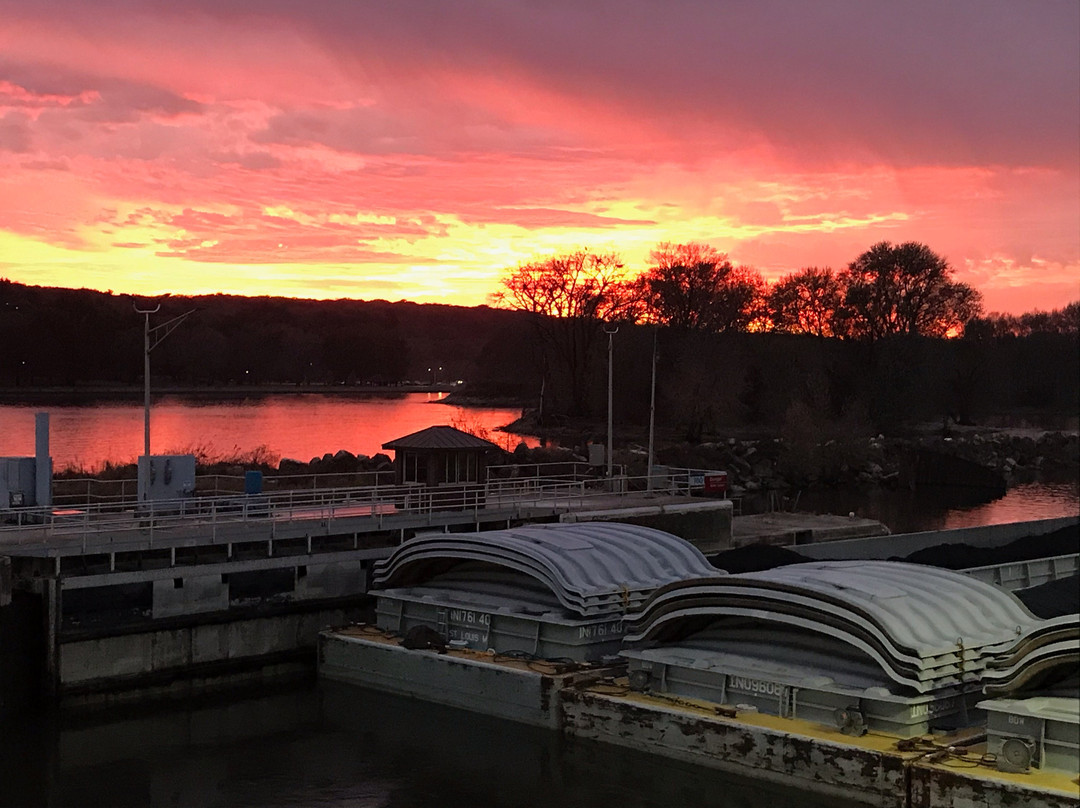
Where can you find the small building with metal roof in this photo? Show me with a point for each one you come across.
(441, 455)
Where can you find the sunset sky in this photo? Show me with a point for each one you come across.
(416, 150)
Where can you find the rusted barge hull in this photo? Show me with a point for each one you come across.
(590, 703)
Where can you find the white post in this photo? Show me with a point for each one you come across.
(610, 432)
(42, 461)
(158, 333)
(143, 487)
(652, 416)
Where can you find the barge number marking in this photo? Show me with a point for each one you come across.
(613, 629)
(467, 617)
(747, 685)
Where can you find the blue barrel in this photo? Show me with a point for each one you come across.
(252, 482)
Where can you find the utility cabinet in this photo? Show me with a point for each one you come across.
(18, 482)
(163, 477)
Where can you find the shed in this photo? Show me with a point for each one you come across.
(441, 455)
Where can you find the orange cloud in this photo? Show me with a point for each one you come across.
(361, 150)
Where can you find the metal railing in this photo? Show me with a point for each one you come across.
(81, 491)
(1013, 575)
(382, 504)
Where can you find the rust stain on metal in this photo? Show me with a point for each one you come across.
(696, 728)
(744, 746)
(546, 685)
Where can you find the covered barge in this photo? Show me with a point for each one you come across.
(893, 684)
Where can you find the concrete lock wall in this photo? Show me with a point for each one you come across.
(106, 662)
(339, 579)
(200, 594)
(194, 594)
(705, 524)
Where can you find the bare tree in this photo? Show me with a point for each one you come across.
(805, 302)
(693, 286)
(572, 295)
(906, 289)
(1058, 321)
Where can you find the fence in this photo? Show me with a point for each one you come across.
(383, 504)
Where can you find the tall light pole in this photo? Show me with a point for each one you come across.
(610, 432)
(152, 337)
(652, 414)
(146, 378)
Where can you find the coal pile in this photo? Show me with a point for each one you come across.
(963, 556)
(756, 558)
(1054, 598)
(759, 557)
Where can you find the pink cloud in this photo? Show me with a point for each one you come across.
(785, 134)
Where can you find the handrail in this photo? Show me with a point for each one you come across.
(85, 490)
(210, 513)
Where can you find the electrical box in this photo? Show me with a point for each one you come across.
(163, 477)
(18, 482)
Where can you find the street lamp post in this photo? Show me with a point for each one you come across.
(652, 415)
(152, 337)
(146, 380)
(610, 352)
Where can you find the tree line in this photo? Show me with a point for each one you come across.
(862, 343)
(889, 291)
(54, 337)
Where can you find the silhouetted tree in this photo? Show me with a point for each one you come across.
(805, 302)
(1057, 321)
(572, 297)
(693, 286)
(903, 289)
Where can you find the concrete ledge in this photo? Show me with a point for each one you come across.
(132, 661)
(707, 524)
(783, 528)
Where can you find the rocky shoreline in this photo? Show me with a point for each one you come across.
(754, 464)
(772, 464)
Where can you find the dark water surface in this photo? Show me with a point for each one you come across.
(913, 511)
(335, 745)
(310, 425)
(296, 426)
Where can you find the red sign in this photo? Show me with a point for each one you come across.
(716, 483)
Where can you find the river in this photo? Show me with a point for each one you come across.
(85, 436)
(334, 746)
(303, 426)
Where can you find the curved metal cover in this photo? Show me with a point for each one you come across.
(925, 609)
(925, 627)
(925, 605)
(590, 566)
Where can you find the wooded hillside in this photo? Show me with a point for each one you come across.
(706, 382)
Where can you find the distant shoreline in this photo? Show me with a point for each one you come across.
(86, 393)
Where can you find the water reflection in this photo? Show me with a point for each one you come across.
(340, 745)
(906, 511)
(296, 426)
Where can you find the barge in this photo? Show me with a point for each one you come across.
(889, 684)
